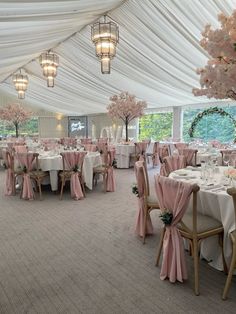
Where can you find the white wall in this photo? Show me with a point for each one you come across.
(53, 127)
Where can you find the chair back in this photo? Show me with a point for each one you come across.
(141, 147)
(181, 145)
(141, 179)
(172, 163)
(190, 154)
(73, 161)
(90, 147)
(8, 160)
(84, 141)
(232, 156)
(20, 148)
(173, 197)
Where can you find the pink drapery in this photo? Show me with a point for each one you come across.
(188, 153)
(139, 229)
(173, 196)
(72, 160)
(172, 163)
(20, 148)
(90, 147)
(181, 145)
(141, 147)
(156, 156)
(26, 160)
(9, 181)
(110, 172)
(85, 141)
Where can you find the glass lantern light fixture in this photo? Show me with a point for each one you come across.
(105, 36)
(21, 83)
(49, 61)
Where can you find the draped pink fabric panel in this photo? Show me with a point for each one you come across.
(90, 147)
(181, 145)
(188, 153)
(85, 141)
(173, 196)
(173, 163)
(139, 229)
(141, 147)
(26, 160)
(9, 181)
(110, 171)
(20, 148)
(74, 160)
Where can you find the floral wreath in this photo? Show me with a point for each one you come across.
(206, 112)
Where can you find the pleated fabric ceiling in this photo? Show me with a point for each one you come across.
(156, 58)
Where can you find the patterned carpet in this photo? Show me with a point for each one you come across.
(83, 257)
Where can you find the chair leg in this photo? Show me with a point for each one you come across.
(105, 182)
(145, 225)
(196, 266)
(40, 190)
(160, 246)
(62, 187)
(221, 242)
(230, 274)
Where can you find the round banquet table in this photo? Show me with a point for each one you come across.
(213, 201)
(53, 163)
(122, 155)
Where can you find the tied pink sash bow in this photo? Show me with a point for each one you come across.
(139, 229)
(75, 187)
(9, 189)
(156, 159)
(110, 180)
(173, 195)
(27, 190)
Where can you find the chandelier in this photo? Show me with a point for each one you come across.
(105, 36)
(21, 82)
(49, 62)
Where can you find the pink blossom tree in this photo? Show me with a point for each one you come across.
(15, 114)
(218, 77)
(125, 107)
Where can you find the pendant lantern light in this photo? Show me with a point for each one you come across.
(21, 83)
(49, 61)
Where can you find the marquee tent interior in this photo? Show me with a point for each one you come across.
(157, 54)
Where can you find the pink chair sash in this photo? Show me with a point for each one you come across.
(139, 229)
(73, 159)
(188, 153)
(27, 161)
(20, 149)
(110, 172)
(174, 196)
(9, 181)
(181, 145)
(90, 147)
(172, 163)
(85, 141)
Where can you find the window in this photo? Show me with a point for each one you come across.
(156, 126)
(30, 127)
(210, 127)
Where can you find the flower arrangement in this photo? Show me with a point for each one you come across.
(166, 217)
(135, 189)
(230, 173)
(217, 78)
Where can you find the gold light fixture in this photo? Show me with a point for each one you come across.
(49, 62)
(21, 82)
(105, 36)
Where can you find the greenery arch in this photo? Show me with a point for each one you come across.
(207, 112)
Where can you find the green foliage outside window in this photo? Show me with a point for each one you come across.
(213, 126)
(30, 127)
(157, 126)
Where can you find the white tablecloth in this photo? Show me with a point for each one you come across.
(219, 205)
(206, 156)
(122, 155)
(54, 163)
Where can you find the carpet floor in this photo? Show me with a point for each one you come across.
(83, 257)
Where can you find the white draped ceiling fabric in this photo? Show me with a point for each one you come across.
(156, 59)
